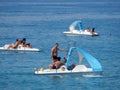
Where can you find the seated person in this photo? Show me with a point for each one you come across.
(57, 63)
(28, 45)
(71, 67)
(24, 42)
(14, 45)
(21, 43)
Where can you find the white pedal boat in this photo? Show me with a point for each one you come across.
(76, 29)
(19, 48)
(95, 66)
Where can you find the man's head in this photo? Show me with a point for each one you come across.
(56, 44)
(59, 58)
(24, 39)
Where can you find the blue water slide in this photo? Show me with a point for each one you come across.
(77, 25)
(94, 63)
(69, 56)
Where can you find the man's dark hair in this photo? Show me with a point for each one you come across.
(59, 58)
(57, 44)
(24, 39)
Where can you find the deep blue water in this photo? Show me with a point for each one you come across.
(42, 23)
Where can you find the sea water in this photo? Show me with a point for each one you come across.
(42, 23)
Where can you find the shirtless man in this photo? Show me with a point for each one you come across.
(54, 51)
(56, 63)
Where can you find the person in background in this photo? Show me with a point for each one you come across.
(24, 42)
(88, 29)
(14, 45)
(20, 43)
(28, 45)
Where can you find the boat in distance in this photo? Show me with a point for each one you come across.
(76, 29)
(19, 48)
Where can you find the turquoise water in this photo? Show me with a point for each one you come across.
(42, 23)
